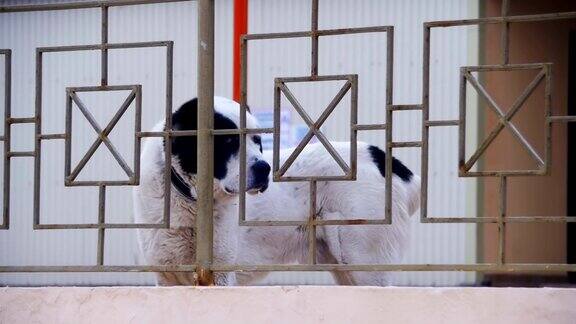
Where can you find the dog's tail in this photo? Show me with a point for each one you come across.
(412, 194)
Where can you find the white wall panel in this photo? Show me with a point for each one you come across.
(355, 54)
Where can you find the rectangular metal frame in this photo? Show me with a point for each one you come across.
(206, 133)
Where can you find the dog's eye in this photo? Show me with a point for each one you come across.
(257, 140)
(228, 140)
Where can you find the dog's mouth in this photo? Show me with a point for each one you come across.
(251, 191)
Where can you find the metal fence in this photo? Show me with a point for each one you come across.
(205, 266)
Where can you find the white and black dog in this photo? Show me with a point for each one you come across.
(358, 244)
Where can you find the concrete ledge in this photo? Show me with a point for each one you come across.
(303, 304)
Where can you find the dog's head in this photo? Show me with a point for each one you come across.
(226, 147)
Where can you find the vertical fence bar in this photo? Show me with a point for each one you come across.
(243, 107)
(462, 123)
(7, 133)
(312, 224)
(501, 224)
(204, 221)
(389, 122)
(548, 127)
(314, 39)
(425, 129)
(37, 139)
(101, 221)
(104, 51)
(167, 138)
(505, 36)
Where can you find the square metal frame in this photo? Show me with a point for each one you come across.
(280, 87)
(104, 48)
(133, 175)
(504, 119)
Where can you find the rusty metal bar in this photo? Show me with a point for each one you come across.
(405, 107)
(434, 123)
(81, 5)
(167, 128)
(324, 32)
(498, 20)
(101, 220)
(389, 125)
(21, 120)
(7, 137)
(311, 226)
(369, 127)
(548, 113)
(96, 225)
(425, 119)
(406, 144)
(314, 39)
(21, 154)
(99, 268)
(326, 222)
(37, 139)
(204, 220)
(481, 267)
(501, 259)
(137, 129)
(505, 38)
(561, 119)
(104, 51)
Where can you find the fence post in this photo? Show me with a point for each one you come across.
(205, 171)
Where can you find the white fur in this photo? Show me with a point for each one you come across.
(352, 244)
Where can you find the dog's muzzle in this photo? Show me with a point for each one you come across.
(260, 173)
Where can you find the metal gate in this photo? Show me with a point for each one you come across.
(204, 264)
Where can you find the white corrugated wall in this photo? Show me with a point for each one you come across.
(361, 54)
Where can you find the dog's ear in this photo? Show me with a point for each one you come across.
(184, 147)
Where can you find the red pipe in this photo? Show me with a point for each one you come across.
(240, 28)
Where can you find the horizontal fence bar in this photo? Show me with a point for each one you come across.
(96, 226)
(324, 32)
(406, 144)
(314, 78)
(433, 123)
(21, 154)
(277, 178)
(510, 267)
(561, 119)
(507, 219)
(101, 268)
(214, 132)
(90, 47)
(405, 107)
(369, 127)
(81, 5)
(52, 136)
(89, 183)
(509, 173)
(482, 267)
(496, 20)
(103, 88)
(21, 120)
(505, 67)
(316, 222)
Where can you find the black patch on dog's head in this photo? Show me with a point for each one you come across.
(399, 169)
(185, 147)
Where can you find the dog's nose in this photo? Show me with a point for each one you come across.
(261, 170)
